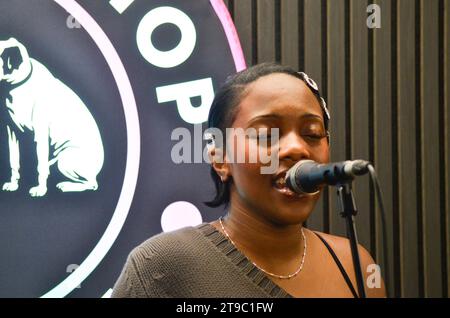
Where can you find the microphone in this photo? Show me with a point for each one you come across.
(306, 176)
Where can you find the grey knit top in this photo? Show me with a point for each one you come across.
(192, 262)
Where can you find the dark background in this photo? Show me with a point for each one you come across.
(388, 91)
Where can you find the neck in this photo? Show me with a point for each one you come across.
(255, 234)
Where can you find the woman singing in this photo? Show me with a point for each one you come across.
(260, 248)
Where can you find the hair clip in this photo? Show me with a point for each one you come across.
(309, 81)
(325, 109)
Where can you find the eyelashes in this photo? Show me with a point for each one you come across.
(313, 137)
(306, 137)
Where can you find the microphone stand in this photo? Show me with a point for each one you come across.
(348, 211)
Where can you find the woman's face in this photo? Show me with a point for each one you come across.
(284, 102)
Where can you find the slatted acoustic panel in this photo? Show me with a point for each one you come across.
(388, 90)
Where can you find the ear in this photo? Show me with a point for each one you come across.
(12, 59)
(219, 163)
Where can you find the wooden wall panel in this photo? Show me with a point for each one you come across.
(446, 132)
(383, 134)
(359, 114)
(337, 96)
(388, 91)
(429, 141)
(313, 60)
(290, 29)
(266, 29)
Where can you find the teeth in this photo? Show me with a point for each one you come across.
(280, 182)
(287, 191)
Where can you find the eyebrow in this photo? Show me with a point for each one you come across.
(277, 117)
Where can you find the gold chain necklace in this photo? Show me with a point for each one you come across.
(263, 270)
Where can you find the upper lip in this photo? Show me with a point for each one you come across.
(280, 174)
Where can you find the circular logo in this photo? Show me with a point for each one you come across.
(90, 95)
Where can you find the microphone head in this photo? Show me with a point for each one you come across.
(294, 175)
(308, 176)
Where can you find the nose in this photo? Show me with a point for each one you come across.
(293, 147)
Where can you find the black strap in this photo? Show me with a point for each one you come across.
(341, 268)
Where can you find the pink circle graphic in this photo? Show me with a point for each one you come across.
(230, 31)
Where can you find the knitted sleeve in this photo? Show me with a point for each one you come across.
(131, 282)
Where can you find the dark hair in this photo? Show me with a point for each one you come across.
(224, 109)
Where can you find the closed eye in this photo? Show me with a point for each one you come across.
(314, 137)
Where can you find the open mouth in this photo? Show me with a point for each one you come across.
(280, 186)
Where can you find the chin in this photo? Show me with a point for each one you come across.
(295, 210)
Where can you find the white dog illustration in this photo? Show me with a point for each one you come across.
(64, 130)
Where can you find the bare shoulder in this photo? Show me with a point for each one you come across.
(341, 246)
